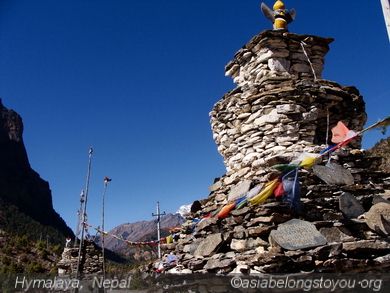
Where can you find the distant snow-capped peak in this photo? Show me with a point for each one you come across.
(184, 210)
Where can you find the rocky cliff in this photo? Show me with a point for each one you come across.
(280, 110)
(26, 201)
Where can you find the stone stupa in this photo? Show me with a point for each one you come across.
(281, 108)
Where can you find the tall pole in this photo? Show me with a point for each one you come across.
(84, 212)
(386, 14)
(106, 180)
(79, 220)
(158, 215)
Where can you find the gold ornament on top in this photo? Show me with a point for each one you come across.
(279, 16)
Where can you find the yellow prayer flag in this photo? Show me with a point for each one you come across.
(265, 193)
(308, 161)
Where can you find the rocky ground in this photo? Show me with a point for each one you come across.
(340, 228)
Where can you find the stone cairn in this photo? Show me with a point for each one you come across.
(91, 262)
(280, 108)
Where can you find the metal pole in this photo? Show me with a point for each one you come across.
(158, 215)
(106, 180)
(158, 231)
(84, 213)
(386, 14)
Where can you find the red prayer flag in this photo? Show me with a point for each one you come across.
(339, 132)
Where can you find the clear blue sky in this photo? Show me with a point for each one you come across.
(137, 79)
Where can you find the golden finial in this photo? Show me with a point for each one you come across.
(279, 5)
(279, 16)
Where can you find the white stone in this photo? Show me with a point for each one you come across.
(247, 127)
(256, 134)
(239, 190)
(233, 148)
(250, 158)
(281, 139)
(249, 149)
(268, 139)
(260, 145)
(232, 132)
(275, 130)
(243, 150)
(179, 270)
(264, 55)
(268, 127)
(260, 250)
(232, 70)
(289, 109)
(245, 244)
(239, 269)
(286, 120)
(221, 148)
(237, 166)
(229, 180)
(254, 191)
(260, 75)
(270, 145)
(267, 152)
(220, 197)
(254, 140)
(258, 163)
(238, 245)
(226, 141)
(243, 115)
(311, 115)
(247, 55)
(278, 149)
(238, 80)
(243, 171)
(272, 117)
(279, 65)
(267, 109)
(253, 116)
(237, 157)
(259, 150)
(286, 143)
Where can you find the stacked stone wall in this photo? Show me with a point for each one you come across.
(91, 261)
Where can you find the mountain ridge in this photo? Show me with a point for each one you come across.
(139, 231)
